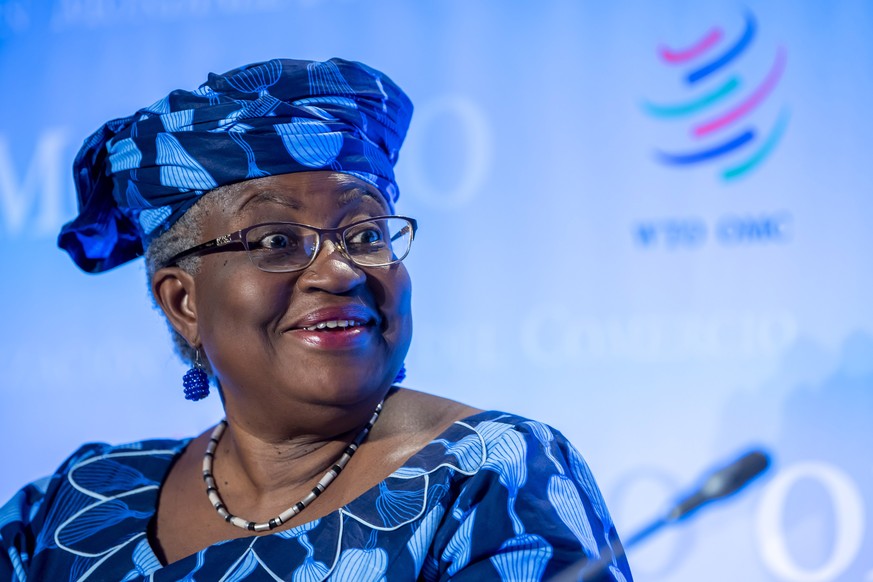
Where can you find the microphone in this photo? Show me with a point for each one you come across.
(717, 485)
(721, 483)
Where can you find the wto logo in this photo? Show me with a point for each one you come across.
(722, 118)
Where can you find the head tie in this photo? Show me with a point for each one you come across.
(136, 175)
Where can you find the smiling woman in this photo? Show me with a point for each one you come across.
(265, 204)
(252, 312)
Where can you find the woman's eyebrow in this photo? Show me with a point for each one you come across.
(349, 195)
(268, 196)
(355, 193)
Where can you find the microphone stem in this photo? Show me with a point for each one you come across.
(585, 571)
(645, 532)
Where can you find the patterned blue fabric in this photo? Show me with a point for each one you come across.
(495, 497)
(136, 175)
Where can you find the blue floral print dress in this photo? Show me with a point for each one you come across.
(495, 497)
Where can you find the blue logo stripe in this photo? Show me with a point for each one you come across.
(728, 56)
(703, 155)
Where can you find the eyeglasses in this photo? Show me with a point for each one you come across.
(283, 247)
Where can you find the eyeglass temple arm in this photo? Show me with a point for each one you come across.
(221, 244)
(411, 225)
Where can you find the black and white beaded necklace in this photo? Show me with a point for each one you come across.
(327, 479)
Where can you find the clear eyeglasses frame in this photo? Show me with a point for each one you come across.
(284, 247)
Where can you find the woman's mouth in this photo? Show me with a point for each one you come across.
(334, 324)
(337, 328)
(336, 318)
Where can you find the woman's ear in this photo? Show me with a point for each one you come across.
(173, 289)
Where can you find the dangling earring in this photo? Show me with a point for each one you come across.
(195, 381)
(401, 374)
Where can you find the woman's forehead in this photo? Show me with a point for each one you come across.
(307, 190)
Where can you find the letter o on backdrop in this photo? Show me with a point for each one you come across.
(478, 145)
(848, 505)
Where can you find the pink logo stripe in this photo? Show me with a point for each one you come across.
(749, 105)
(676, 57)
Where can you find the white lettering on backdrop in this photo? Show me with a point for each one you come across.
(478, 147)
(848, 505)
(653, 337)
(39, 193)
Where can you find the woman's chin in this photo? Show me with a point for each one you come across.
(342, 388)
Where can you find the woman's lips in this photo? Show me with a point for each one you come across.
(332, 317)
(336, 328)
(334, 324)
(337, 338)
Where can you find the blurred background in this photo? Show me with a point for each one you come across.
(645, 223)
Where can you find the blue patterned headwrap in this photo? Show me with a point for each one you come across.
(136, 175)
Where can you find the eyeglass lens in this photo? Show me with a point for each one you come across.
(286, 247)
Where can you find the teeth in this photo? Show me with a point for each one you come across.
(333, 324)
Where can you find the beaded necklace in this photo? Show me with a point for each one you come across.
(327, 479)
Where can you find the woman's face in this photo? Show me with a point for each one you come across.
(256, 328)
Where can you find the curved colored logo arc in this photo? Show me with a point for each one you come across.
(714, 116)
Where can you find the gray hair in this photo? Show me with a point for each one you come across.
(184, 234)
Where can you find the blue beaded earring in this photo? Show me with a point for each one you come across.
(195, 381)
(401, 374)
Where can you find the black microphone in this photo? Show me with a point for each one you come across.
(721, 483)
(718, 484)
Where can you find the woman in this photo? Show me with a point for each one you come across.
(265, 204)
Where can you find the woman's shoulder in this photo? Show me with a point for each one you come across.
(99, 465)
(91, 477)
(133, 454)
(91, 469)
(467, 439)
(494, 423)
(421, 407)
(92, 452)
(146, 447)
(503, 481)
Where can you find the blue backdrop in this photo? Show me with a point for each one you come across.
(655, 217)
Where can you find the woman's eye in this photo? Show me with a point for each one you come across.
(365, 236)
(277, 241)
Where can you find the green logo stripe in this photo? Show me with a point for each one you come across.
(683, 109)
(762, 153)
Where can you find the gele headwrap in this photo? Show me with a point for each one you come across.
(136, 175)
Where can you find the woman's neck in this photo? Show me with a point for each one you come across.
(245, 460)
(263, 459)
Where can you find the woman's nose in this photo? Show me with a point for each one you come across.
(332, 270)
